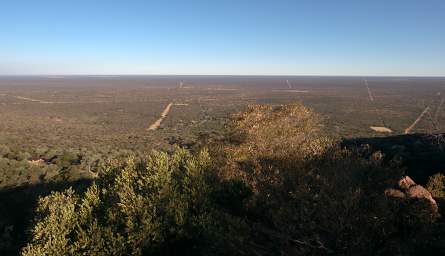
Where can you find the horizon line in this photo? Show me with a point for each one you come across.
(220, 75)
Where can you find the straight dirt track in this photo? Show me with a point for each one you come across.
(164, 114)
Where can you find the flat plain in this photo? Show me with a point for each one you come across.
(61, 132)
(116, 111)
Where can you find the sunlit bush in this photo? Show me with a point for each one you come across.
(162, 205)
(266, 131)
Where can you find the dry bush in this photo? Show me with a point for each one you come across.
(265, 138)
(311, 196)
(285, 131)
(436, 186)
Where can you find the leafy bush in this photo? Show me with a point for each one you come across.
(164, 205)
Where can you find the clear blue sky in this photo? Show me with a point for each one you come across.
(275, 37)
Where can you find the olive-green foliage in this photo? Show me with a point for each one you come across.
(162, 205)
(27, 174)
(18, 167)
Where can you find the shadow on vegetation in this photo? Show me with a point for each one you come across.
(274, 186)
(17, 211)
(422, 155)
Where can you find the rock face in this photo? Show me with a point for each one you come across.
(407, 188)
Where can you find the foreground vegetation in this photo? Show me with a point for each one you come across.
(274, 184)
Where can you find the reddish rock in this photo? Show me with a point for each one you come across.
(405, 183)
(407, 188)
(420, 192)
(394, 193)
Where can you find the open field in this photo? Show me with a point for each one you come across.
(82, 111)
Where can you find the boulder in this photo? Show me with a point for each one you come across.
(407, 188)
(405, 183)
(391, 192)
(420, 192)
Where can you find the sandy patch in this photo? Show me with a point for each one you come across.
(295, 91)
(36, 162)
(381, 129)
(223, 89)
(33, 100)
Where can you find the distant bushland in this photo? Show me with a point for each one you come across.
(272, 184)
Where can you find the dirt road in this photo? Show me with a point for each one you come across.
(164, 114)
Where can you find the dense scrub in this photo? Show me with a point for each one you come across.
(274, 185)
(26, 175)
(43, 165)
(164, 204)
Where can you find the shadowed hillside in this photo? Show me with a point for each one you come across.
(422, 155)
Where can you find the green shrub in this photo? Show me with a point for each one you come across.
(162, 205)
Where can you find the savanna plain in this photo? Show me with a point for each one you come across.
(268, 161)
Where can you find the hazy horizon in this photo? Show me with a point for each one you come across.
(216, 75)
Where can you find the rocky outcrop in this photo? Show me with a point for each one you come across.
(408, 189)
